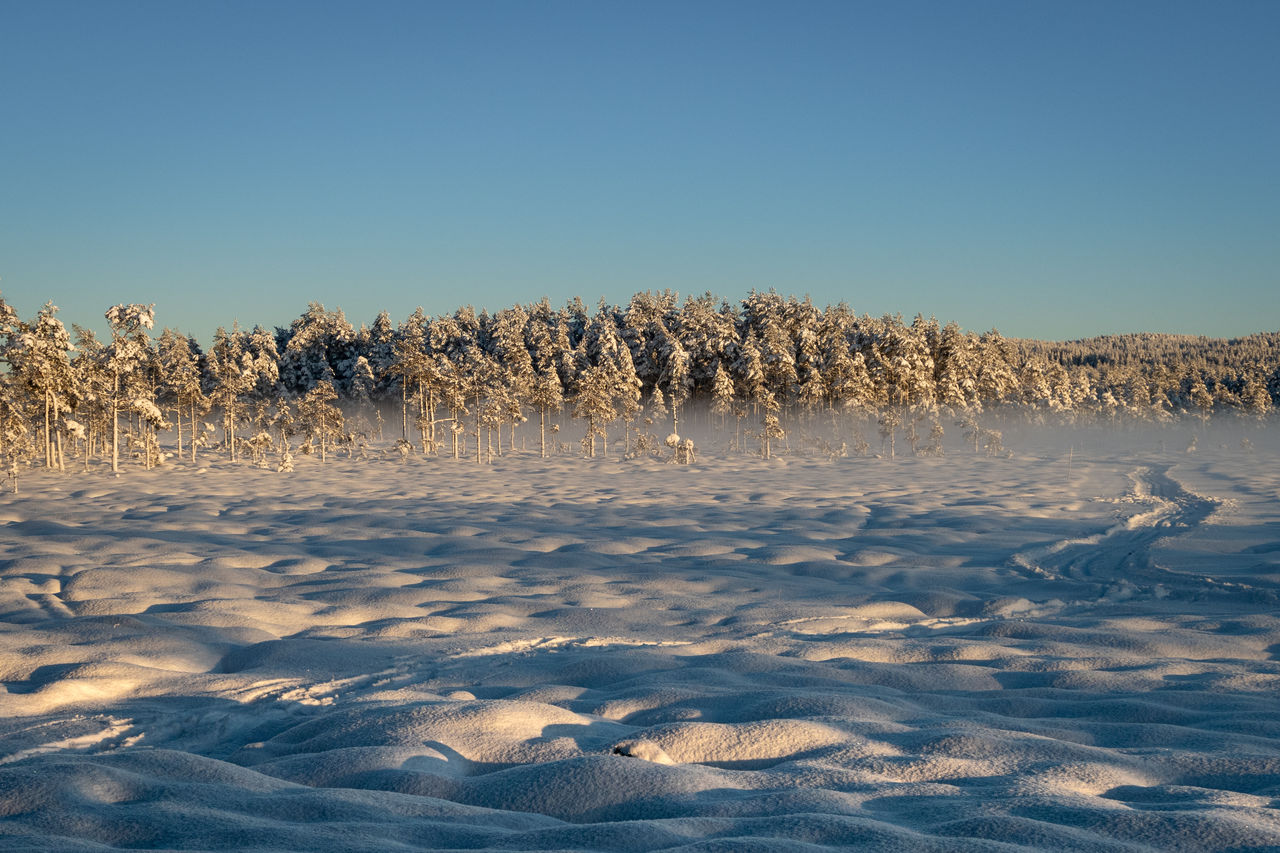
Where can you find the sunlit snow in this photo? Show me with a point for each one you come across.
(1074, 647)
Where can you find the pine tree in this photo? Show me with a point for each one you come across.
(507, 349)
(748, 370)
(656, 411)
(129, 349)
(180, 380)
(363, 383)
(380, 348)
(317, 346)
(548, 396)
(15, 436)
(151, 422)
(954, 370)
(15, 444)
(233, 374)
(320, 416)
(996, 377)
(721, 393)
(594, 403)
(93, 383)
(676, 377)
(38, 354)
(412, 365)
(261, 348)
(1255, 399)
(771, 429)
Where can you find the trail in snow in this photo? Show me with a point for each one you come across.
(1119, 562)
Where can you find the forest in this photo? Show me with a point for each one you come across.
(765, 375)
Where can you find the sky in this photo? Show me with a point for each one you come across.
(1054, 170)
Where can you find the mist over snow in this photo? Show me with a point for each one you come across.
(1071, 645)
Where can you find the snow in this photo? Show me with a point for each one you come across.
(1074, 647)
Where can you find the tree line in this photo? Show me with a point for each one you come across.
(761, 370)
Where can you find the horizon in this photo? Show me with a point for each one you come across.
(1055, 172)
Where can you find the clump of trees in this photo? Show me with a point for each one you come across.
(768, 374)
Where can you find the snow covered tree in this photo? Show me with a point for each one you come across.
(261, 348)
(180, 381)
(708, 334)
(506, 347)
(802, 321)
(413, 366)
(38, 354)
(129, 349)
(16, 447)
(628, 394)
(764, 317)
(722, 394)
(676, 377)
(540, 332)
(748, 370)
(379, 346)
(152, 421)
(547, 395)
(603, 351)
(643, 325)
(232, 372)
(8, 325)
(363, 383)
(656, 410)
(594, 403)
(320, 417)
(1254, 399)
(954, 380)
(93, 388)
(996, 378)
(903, 366)
(319, 345)
(455, 387)
(1200, 400)
(771, 429)
(15, 444)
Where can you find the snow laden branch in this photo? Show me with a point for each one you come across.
(766, 375)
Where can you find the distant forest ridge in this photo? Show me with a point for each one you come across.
(767, 364)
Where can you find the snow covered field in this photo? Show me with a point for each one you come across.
(1075, 648)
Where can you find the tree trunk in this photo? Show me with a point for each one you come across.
(115, 425)
(542, 439)
(422, 414)
(48, 438)
(479, 436)
(404, 409)
(431, 420)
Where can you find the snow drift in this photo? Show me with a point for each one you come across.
(956, 653)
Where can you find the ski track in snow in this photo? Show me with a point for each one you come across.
(918, 654)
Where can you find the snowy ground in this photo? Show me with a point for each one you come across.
(1067, 649)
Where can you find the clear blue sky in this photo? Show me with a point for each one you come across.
(1053, 169)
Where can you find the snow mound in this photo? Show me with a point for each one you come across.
(936, 655)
